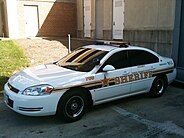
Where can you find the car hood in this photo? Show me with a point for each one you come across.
(44, 74)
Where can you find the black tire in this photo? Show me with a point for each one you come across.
(72, 105)
(158, 87)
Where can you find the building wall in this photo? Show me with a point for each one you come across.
(1, 20)
(149, 14)
(4, 23)
(178, 40)
(107, 29)
(93, 16)
(148, 23)
(107, 18)
(55, 17)
(11, 16)
(80, 21)
(99, 24)
(103, 24)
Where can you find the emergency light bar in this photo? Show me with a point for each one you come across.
(112, 43)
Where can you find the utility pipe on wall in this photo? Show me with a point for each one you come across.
(69, 43)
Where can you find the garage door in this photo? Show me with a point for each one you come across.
(31, 20)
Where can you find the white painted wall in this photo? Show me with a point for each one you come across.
(13, 27)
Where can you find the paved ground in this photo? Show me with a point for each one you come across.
(138, 116)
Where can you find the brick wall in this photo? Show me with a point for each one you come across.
(60, 21)
(54, 18)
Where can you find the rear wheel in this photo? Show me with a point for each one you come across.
(158, 87)
(72, 106)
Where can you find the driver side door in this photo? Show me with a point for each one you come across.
(114, 84)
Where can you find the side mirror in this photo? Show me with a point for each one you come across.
(96, 61)
(108, 68)
(54, 62)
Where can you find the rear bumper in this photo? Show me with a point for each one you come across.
(171, 76)
(32, 105)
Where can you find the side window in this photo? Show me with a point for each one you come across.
(141, 57)
(117, 60)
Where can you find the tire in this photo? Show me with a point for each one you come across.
(72, 106)
(158, 87)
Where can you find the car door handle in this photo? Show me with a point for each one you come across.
(125, 73)
(141, 66)
(152, 68)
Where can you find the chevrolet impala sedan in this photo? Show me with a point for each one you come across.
(90, 75)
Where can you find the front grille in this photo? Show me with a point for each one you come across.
(12, 88)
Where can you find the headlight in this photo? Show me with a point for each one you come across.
(38, 90)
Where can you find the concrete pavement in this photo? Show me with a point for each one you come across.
(138, 116)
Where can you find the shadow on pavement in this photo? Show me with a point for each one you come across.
(178, 84)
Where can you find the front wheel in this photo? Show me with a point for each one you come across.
(158, 87)
(72, 106)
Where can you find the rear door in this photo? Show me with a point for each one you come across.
(142, 63)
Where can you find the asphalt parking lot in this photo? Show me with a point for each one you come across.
(138, 116)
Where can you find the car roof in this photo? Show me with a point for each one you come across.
(101, 47)
(114, 47)
(117, 48)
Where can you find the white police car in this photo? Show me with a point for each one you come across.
(90, 75)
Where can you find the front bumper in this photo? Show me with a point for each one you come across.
(32, 105)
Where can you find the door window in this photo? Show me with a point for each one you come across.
(118, 60)
(141, 57)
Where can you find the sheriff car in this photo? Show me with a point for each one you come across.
(90, 75)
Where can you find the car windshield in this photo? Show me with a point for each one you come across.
(82, 59)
